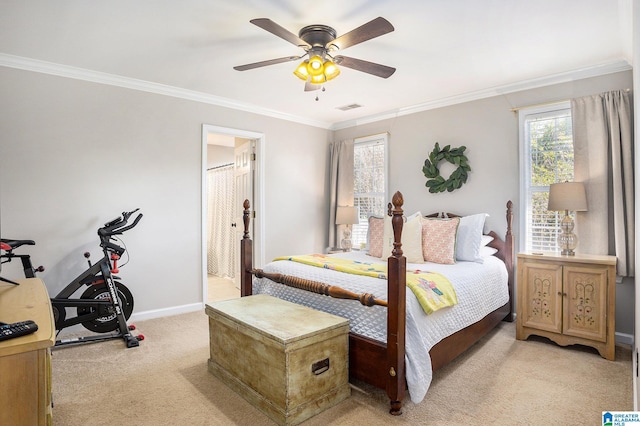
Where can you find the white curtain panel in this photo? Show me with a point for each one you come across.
(221, 241)
(603, 147)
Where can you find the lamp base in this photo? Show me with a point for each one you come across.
(567, 240)
(345, 244)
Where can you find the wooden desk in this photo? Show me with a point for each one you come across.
(25, 362)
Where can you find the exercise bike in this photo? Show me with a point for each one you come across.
(106, 304)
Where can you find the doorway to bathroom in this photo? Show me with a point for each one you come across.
(231, 174)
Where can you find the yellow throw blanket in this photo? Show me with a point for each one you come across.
(432, 289)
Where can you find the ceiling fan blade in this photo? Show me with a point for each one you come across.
(275, 29)
(310, 87)
(365, 66)
(371, 29)
(266, 63)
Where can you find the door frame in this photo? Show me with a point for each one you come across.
(258, 196)
(635, 43)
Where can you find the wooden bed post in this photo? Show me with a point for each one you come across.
(246, 255)
(396, 312)
(509, 256)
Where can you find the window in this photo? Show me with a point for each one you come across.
(370, 182)
(546, 141)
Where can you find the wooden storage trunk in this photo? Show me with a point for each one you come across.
(289, 361)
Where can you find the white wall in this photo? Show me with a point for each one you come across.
(489, 130)
(483, 127)
(74, 154)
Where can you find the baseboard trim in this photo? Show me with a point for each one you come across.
(624, 339)
(166, 312)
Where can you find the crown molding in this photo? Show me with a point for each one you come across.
(51, 68)
(587, 72)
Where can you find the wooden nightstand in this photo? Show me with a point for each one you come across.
(568, 299)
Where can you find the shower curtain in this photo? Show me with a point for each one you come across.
(221, 247)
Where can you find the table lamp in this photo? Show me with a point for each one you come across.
(567, 196)
(347, 215)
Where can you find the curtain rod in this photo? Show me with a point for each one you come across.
(516, 109)
(219, 167)
(371, 135)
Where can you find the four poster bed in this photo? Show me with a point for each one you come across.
(391, 338)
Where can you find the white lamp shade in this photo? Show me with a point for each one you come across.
(567, 196)
(347, 215)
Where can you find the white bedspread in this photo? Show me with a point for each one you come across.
(481, 288)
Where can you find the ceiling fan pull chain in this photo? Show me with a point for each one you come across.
(317, 97)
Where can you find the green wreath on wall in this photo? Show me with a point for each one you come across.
(455, 156)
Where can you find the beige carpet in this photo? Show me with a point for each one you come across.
(499, 381)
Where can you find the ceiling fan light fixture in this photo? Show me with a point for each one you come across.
(331, 70)
(316, 66)
(302, 72)
(318, 79)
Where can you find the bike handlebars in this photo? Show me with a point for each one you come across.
(119, 225)
(126, 228)
(116, 227)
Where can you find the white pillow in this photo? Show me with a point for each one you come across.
(470, 237)
(486, 239)
(487, 251)
(411, 238)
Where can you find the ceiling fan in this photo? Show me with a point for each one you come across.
(319, 42)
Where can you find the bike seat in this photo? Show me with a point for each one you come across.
(17, 243)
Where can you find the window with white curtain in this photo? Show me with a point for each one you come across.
(370, 182)
(546, 157)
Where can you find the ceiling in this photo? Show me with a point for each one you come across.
(444, 51)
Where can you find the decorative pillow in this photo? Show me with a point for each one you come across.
(411, 238)
(439, 240)
(375, 235)
(470, 237)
